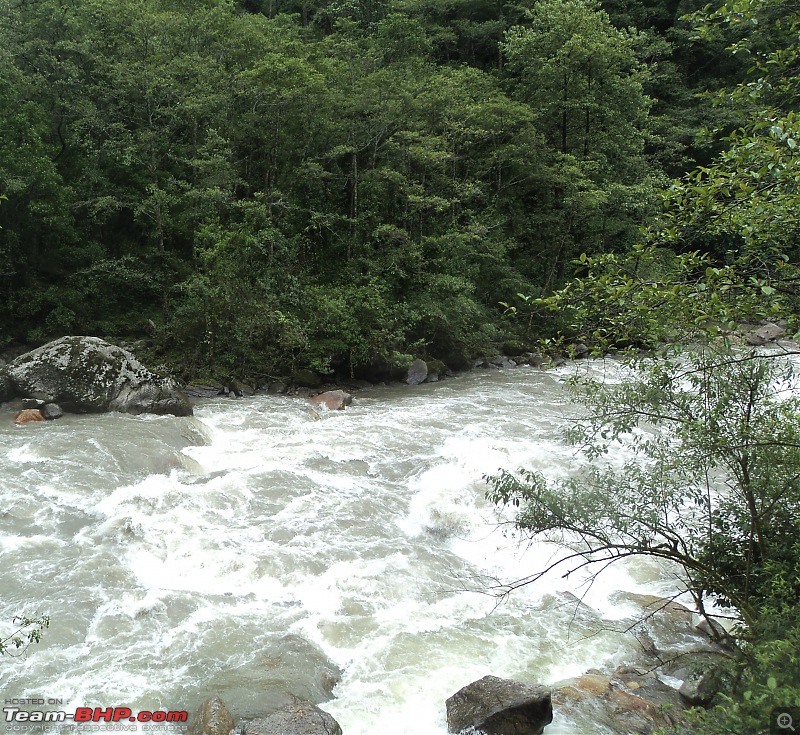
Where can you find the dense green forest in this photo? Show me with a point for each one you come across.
(259, 186)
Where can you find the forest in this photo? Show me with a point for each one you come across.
(250, 188)
(258, 187)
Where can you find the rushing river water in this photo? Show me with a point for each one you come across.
(237, 551)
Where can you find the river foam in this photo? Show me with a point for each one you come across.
(173, 555)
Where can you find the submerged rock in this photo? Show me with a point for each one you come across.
(298, 718)
(89, 375)
(500, 707)
(301, 669)
(213, 718)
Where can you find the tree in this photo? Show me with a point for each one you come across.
(583, 81)
(713, 485)
(27, 631)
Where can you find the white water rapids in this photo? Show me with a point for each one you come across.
(174, 555)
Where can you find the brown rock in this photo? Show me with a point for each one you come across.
(213, 718)
(28, 416)
(333, 400)
(594, 684)
(658, 606)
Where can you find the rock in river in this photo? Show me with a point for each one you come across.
(297, 718)
(500, 707)
(333, 400)
(89, 375)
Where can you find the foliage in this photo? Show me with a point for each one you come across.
(648, 296)
(28, 631)
(712, 483)
(214, 174)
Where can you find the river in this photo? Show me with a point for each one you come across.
(184, 557)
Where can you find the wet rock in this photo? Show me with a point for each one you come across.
(417, 372)
(500, 707)
(276, 389)
(714, 630)
(579, 351)
(503, 362)
(28, 416)
(700, 687)
(627, 701)
(306, 378)
(32, 403)
(213, 718)
(333, 400)
(242, 390)
(652, 606)
(537, 359)
(301, 667)
(204, 390)
(89, 375)
(297, 718)
(7, 390)
(437, 370)
(51, 411)
(762, 335)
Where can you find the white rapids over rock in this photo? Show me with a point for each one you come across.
(173, 554)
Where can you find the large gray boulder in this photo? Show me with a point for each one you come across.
(7, 391)
(417, 372)
(500, 707)
(89, 375)
(766, 333)
(299, 668)
(297, 718)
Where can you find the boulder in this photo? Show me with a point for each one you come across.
(213, 718)
(89, 375)
(500, 707)
(700, 686)
(298, 718)
(51, 411)
(437, 370)
(28, 416)
(417, 372)
(762, 335)
(306, 378)
(579, 351)
(7, 390)
(654, 606)
(503, 362)
(300, 668)
(276, 388)
(333, 400)
(33, 403)
(204, 390)
(627, 701)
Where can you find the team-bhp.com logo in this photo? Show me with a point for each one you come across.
(89, 714)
